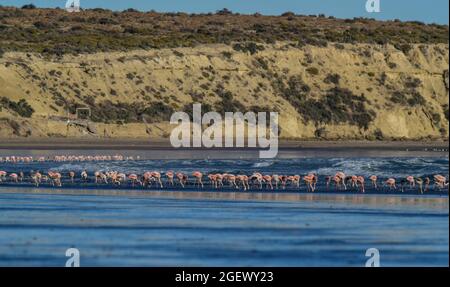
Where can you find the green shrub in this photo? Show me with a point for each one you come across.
(224, 11)
(337, 106)
(29, 6)
(416, 99)
(446, 111)
(378, 134)
(260, 62)
(158, 112)
(178, 54)
(249, 47)
(399, 98)
(313, 71)
(412, 83)
(408, 98)
(109, 112)
(86, 33)
(332, 78)
(227, 54)
(227, 102)
(21, 107)
(405, 48)
(436, 118)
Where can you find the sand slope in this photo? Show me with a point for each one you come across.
(191, 75)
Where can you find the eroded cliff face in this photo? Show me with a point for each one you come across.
(342, 91)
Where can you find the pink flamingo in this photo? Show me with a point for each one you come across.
(373, 179)
(309, 180)
(55, 177)
(231, 179)
(295, 180)
(419, 182)
(257, 178)
(213, 180)
(2, 175)
(440, 181)
(243, 179)
(36, 177)
(147, 178)
(198, 178)
(354, 181)
(119, 178)
(72, 176)
(84, 175)
(170, 175)
(427, 184)
(21, 176)
(339, 179)
(391, 183)
(157, 178)
(134, 179)
(411, 181)
(360, 182)
(100, 176)
(14, 177)
(182, 178)
(276, 180)
(268, 180)
(283, 179)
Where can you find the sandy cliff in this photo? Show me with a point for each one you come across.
(342, 91)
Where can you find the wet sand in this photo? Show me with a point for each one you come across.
(158, 149)
(163, 144)
(440, 202)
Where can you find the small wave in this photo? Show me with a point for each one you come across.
(262, 164)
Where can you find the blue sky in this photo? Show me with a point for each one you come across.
(429, 11)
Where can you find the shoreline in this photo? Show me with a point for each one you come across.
(440, 201)
(208, 192)
(162, 144)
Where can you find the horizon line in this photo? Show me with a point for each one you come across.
(233, 13)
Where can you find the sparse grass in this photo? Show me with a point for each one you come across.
(337, 106)
(22, 108)
(446, 111)
(109, 112)
(250, 47)
(313, 71)
(227, 55)
(332, 79)
(95, 30)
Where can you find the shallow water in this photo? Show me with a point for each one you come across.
(116, 227)
(211, 229)
(366, 166)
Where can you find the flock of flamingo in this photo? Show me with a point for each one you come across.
(66, 158)
(219, 180)
(256, 181)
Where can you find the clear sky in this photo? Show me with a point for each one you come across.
(429, 11)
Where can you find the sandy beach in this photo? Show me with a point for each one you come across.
(159, 144)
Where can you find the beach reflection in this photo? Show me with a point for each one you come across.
(373, 200)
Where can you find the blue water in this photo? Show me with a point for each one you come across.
(382, 166)
(186, 230)
(170, 228)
